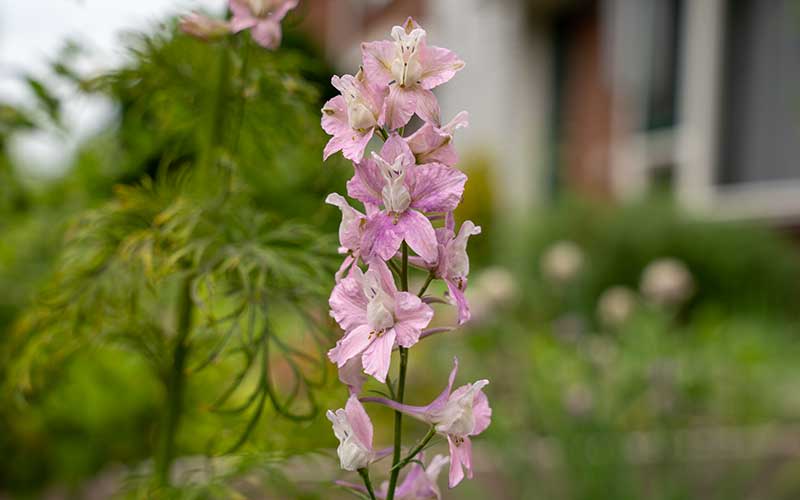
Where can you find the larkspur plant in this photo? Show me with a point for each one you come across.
(406, 187)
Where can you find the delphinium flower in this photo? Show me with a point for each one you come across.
(405, 191)
(353, 117)
(353, 429)
(409, 191)
(262, 17)
(457, 415)
(410, 68)
(203, 27)
(375, 315)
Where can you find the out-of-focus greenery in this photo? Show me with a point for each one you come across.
(193, 273)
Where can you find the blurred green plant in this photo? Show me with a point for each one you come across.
(212, 257)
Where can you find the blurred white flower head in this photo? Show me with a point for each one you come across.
(492, 289)
(667, 282)
(615, 306)
(562, 262)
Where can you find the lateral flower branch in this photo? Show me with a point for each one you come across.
(409, 190)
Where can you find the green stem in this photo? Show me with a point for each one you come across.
(425, 285)
(175, 383)
(364, 473)
(401, 387)
(417, 449)
(398, 424)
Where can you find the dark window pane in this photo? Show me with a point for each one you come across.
(761, 107)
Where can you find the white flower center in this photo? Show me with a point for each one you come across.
(359, 115)
(353, 454)
(379, 306)
(457, 417)
(396, 197)
(406, 67)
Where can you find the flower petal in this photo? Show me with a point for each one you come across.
(457, 294)
(427, 106)
(418, 232)
(378, 356)
(267, 33)
(352, 375)
(460, 455)
(352, 344)
(382, 238)
(412, 316)
(367, 183)
(359, 421)
(378, 57)
(437, 188)
(482, 413)
(398, 108)
(438, 66)
(442, 398)
(348, 303)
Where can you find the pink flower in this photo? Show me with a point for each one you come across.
(455, 414)
(435, 144)
(453, 264)
(351, 231)
(375, 315)
(352, 117)
(419, 483)
(353, 429)
(406, 191)
(203, 27)
(262, 17)
(411, 68)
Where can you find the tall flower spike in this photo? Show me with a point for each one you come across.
(406, 192)
(375, 315)
(353, 117)
(457, 415)
(263, 19)
(353, 429)
(411, 69)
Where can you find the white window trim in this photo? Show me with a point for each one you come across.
(699, 135)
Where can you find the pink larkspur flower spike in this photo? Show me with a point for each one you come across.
(353, 429)
(263, 19)
(375, 315)
(404, 192)
(455, 414)
(411, 69)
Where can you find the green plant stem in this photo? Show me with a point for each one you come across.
(425, 285)
(174, 384)
(401, 387)
(416, 450)
(364, 473)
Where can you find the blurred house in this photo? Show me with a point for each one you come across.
(614, 98)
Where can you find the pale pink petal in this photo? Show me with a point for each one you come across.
(367, 183)
(418, 232)
(347, 263)
(267, 33)
(457, 294)
(334, 117)
(460, 459)
(382, 238)
(348, 303)
(352, 344)
(437, 188)
(352, 220)
(352, 375)
(352, 145)
(482, 412)
(412, 316)
(427, 106)
(395, 146)
(443, 396)
(432, 145)
(419, 412)
(359, 421)
(377, 58)
(387, 280)
(378, 356)
(242, 17)
(438, 66)
(398, 108)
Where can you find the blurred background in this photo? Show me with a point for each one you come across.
(635, 291)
